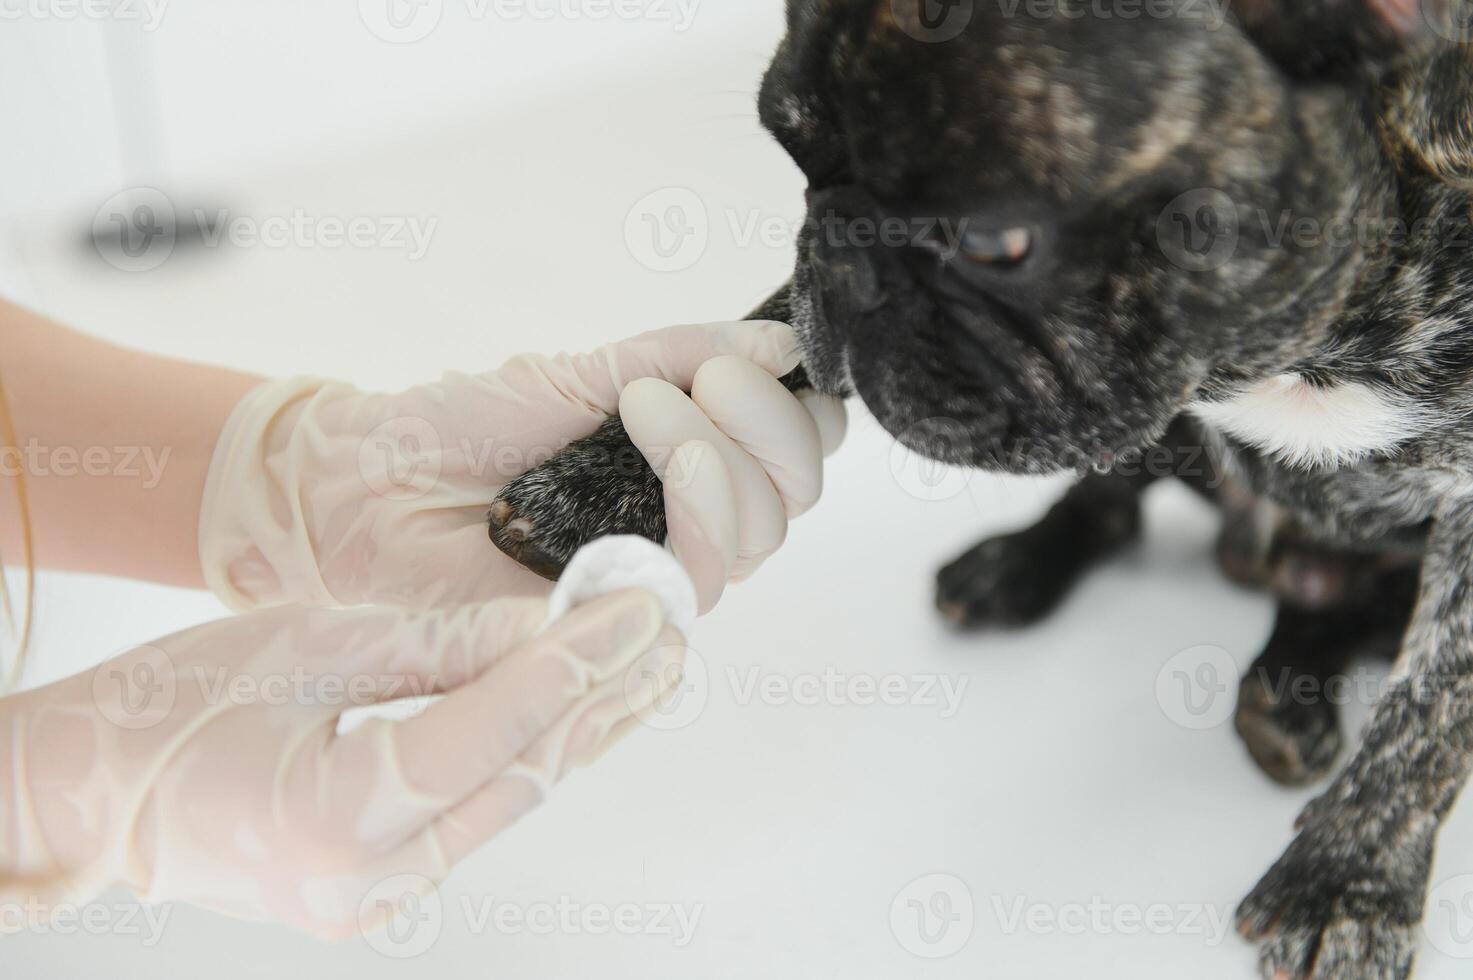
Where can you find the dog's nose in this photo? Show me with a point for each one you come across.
(843, 236)
(846, 271)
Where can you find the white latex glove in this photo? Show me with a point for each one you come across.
(320, 494)
(209, 768)
(740, 457)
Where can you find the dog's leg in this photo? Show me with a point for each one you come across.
(1288, 710)
(597, 486)
(1345, 899)
(1019, 578)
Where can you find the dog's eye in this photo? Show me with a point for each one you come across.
(1005, 247)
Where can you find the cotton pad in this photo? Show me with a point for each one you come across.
(625, 562)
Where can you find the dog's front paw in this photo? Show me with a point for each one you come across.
(594, 487)
(1017, 579)
(1003, 581)
(1340, 949)
(1323, 914)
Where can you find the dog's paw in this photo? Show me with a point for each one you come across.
(595, 487)
(1341, 949)
(1003, 581)
(1294, 740)
(1320, 915)
(1017, 579)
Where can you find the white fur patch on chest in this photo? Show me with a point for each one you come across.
(1307, 425)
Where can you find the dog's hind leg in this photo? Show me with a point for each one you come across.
(1345, 899)
(1288, 711)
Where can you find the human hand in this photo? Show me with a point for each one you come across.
(320, 494)
(209, 768)
(739, 457)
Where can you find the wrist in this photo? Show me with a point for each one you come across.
(30, 867)
(13, 819)
(255, 543)
(98, 433)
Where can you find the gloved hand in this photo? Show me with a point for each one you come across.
(208, 767)
(319, 494)
(739, 457)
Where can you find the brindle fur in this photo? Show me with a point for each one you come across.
(1102, 341)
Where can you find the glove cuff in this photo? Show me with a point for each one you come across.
(254, 543)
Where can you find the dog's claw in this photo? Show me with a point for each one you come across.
(515, 537)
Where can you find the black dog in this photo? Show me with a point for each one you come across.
(1163, 233)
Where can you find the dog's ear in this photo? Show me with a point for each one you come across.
(1317, 37)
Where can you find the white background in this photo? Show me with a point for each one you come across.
(1063, 781)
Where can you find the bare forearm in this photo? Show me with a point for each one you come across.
(113, 446)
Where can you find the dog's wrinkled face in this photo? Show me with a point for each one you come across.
(1030, 245)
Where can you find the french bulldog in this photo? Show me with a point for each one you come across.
(1236, 242)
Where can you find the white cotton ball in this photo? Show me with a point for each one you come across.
(626, 562)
